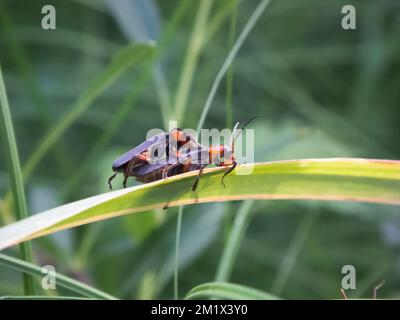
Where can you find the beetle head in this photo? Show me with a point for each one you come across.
(223, 154)
(178, 135)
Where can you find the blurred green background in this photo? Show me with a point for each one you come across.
(319, 91)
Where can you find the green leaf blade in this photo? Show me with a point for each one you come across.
(225, 290)
(61, 280)
(334, 179)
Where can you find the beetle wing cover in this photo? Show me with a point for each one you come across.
(146, 169)
(126, 157)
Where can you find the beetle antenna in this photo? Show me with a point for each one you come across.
(248, 121)
(233, 134)
(243, 126)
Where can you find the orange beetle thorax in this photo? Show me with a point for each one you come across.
(220, 155)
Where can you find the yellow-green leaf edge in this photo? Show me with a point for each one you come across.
(336, 179)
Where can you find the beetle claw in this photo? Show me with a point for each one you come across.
(110, 179)
(124, 182)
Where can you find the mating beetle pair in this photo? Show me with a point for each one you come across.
(175, 152)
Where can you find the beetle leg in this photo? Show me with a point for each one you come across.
(167, 169)
(196, 182)
(110, 179)
(127, 171)
(228, 172)
(164, 173)
(125, 181)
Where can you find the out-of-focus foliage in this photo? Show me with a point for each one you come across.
(319, 91)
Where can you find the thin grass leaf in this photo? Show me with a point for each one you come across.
(177, 242)
(61, 280)
(191, 58)
(229, 77)
(232, 246)
(229, 59)
(185, 81)
(15, 173)
(336, 179)
(219, 17)
(290, 258)
(225, 290)
(156, 253)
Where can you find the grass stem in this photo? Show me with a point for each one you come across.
(177, 241)
(229, 59)
(232, 246)
(229, 77)
(191, 58)
(16, 180)
(61, 280)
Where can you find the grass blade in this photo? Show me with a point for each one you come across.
(177, 241)
(214, 25)
(335, 179)
(232, 246)
(61, 280)
(229, 77)
(224, 290)
(289, 260)
(229, 59)
(191, 59)
(16, 180)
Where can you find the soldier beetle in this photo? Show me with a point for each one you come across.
(183, 155)
(140, 156)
